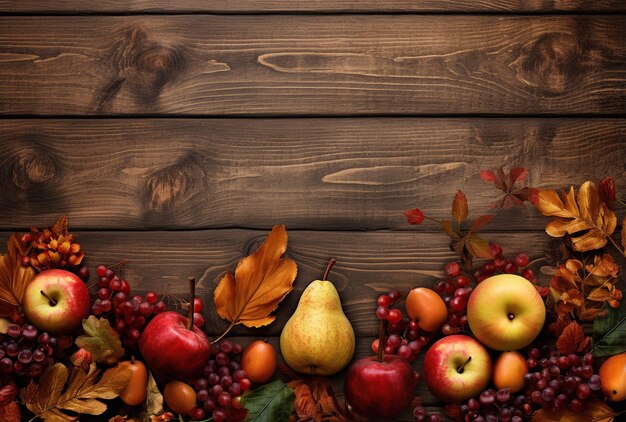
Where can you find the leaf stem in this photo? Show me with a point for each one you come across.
(616, 245)
(230, 327)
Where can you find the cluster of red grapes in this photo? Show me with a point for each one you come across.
(456, 288)
(26, 351)
(421, 415)
(129, 314)
(403, 336)
(557, 381)
(219, 389)
(494, 406)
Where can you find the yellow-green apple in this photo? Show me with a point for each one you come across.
(456, 368)
(505, 312)
(56, 301)
(172, 346)
(380, 390)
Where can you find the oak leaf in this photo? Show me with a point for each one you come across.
(261, 281)
(582, 215)
(315, 401)
(101, 340)
(82, 394)
(595, 411)
(14, 277)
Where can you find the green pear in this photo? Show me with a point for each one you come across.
(318, 339)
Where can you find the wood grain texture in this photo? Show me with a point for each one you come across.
(169, 6)
(330, 174)
(303, 65)
(368, 263)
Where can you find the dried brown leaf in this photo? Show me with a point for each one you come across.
(583, 216)
(571, 338)
(14, 277)
(262, 280)
(460, 210)
(478, 246)
(315, 401)
(82, 394)
(595, 411)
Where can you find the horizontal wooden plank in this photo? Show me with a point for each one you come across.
(337, 174)
(303, 65)
(168, 6)
(368, 263)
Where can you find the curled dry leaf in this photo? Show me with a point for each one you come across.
(583, 216)
(584, 294)
(262, 280)
(315, 401)
(14, 277)
(82, 394)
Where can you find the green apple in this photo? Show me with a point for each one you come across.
(56, 301)
(457, 368)
(505, 312)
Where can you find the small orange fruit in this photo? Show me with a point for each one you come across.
(509, 371)
(180, 397)
(427, 308)
(259, 361)
(613, 376)
(135, 392)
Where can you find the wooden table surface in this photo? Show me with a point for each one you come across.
(175, 134)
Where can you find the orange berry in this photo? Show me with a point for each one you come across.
(259, 361)
(427, 308)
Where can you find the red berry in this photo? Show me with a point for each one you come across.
(384, 300)
(394, 295)
(125, 287)
(382, 312)
(151, 297)
(197, 304)
(101, 270)
(458, 304)
(198, 320)
(528, 274)
(462, 281)
(496, 250)
(510, 267)
(452, 269)
(522, 260)
(375, 344)
(395, 316)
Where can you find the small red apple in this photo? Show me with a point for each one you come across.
(56, 301)
(380, 390)
(173, 347)
(457, 368)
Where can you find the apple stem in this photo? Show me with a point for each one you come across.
(330, 265)
(460, 368)
(192, 289)
(381, 340)
(52, 301)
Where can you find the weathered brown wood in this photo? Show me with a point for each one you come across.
(330, 174)
(296, 65)
(368, 263)
(168, 6)
(363, 348)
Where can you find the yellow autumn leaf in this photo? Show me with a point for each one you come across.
(261, 281)
(582, 215)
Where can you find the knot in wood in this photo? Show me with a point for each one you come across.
(173, 185)
(553, 62)
(32, 166)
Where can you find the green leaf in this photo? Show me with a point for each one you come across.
(271, 402)
(102, 341)
(609, 333)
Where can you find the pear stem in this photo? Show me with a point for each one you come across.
(330, 265)
(381, 340)
(460, 368)
(52, 301)
(192, 289)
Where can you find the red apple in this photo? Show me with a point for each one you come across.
(56, 301)
(171, 349)
(505, 312)
(457, 368)
(380, 390)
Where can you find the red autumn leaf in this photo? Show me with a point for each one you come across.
(460, 209)
(488, 176)
(571, 338)
(414, 216)
(481, 222)
(607, 192)
(517, 174)
(10, 412)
